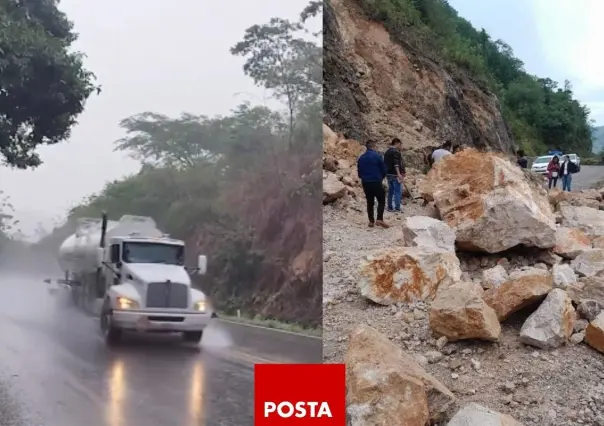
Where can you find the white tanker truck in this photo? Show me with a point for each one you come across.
(137, 274)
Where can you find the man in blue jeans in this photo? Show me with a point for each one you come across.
(395, 172)
(372, 171)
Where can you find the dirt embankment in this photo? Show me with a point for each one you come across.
(379, 86)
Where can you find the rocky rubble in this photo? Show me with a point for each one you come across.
(507, 317)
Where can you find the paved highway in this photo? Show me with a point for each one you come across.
(588, 176)
(56, 371)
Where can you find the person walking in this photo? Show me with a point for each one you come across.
(553, 171)
(372, 171)
(566, 172)
(395, 173)
(522, 161)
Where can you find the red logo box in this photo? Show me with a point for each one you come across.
(300, 394)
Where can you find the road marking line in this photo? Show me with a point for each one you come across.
(271, 329)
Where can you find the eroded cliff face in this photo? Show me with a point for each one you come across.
(376, 87)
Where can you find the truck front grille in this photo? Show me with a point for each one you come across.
(167, 295)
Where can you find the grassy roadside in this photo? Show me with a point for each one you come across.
(270, 323)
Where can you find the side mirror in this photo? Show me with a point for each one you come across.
(47, 281)
(202, 264)
(100, 256)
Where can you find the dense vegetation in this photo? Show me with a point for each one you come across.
(244, 188)
(43, 85)
(541, 114)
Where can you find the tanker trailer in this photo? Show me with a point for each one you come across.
(137, 274)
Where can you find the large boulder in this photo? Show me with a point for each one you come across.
(589, 220)
(478, 415)
(589, 263)
(424, 231)
(458, 312)
(594, 333)
(551, 325)
(387, 387)
(522, 289)
(570, 242)
(406, 274)
(489, 203)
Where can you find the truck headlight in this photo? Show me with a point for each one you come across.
(200, 306)
(125, 303)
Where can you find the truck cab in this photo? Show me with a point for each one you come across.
(148, 288)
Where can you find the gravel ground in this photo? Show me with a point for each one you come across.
(546, 388)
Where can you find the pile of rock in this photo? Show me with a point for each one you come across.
(388, 387)
(487, 206)
(340, 179)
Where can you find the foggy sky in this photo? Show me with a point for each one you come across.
(148, 55)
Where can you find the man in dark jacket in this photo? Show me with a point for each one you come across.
(395, 172)
(372, 171)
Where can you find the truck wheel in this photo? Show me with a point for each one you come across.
(192, 336)
(111, 333)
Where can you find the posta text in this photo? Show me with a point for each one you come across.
(300, 409)
(300, 394)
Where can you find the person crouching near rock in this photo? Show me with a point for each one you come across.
(521, 159)
(372, 171)
(553, 171)
(441, 152)
(395, 172)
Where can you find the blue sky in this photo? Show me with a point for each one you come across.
(559, 39)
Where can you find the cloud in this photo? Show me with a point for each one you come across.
(571, 35)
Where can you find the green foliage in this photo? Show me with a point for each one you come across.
(242, 188)
(541, 114)
(278, 58)
(44, 85)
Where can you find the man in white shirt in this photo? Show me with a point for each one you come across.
(441, 152)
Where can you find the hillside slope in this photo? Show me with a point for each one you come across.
(378, 87)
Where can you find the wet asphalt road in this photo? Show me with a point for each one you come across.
(588, 176)
(56, 371)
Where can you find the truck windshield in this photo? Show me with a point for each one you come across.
(141, 252)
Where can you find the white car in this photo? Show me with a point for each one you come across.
(575, 159)
(540, 164)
